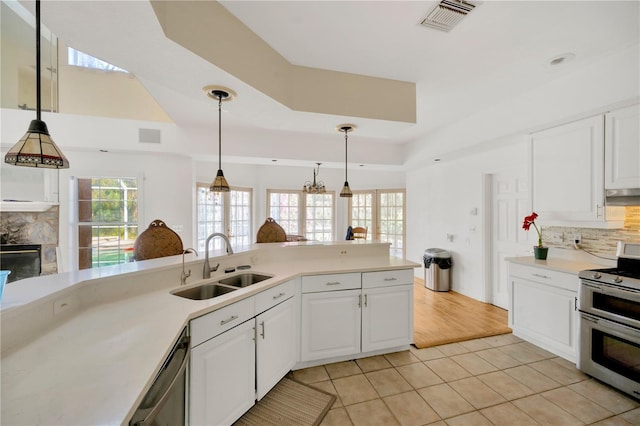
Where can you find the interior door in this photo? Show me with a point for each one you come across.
(510, 204)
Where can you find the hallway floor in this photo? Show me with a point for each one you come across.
(498, 380)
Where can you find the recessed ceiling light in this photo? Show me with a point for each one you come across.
(561, 59)
(436, 159)
(274, 160)
(104, 150)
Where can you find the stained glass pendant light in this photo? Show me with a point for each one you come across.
(221, 94)
(346, 128)
(36, 148)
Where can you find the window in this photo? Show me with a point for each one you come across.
(107, 220)
(81, 59)
(383, 213)
(228, 213)
(309, 215)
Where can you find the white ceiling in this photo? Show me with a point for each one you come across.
(500, 50)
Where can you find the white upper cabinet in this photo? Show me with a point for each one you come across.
(622, 148)
(568, 171)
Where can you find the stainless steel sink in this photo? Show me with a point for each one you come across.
(244, 280)
(204, 291)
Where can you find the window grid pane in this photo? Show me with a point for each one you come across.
(319, 217)
(107, 220)
(210, 207)
(391, 221)
(240, 218)
(284, 209)
(362, 211)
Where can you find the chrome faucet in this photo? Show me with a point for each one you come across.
(183, 275)
(206, 273)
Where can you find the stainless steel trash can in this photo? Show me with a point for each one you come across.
(437, 269)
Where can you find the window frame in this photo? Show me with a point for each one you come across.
(374, 232)
(226, 221)
(302, 207)
(77, 223)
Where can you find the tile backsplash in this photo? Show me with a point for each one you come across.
(34, 228)
(598, 241)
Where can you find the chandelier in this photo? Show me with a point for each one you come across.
(315, 187)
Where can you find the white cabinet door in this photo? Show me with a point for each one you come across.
(275, 345)
(330, 324)
(568, 171)
(387, 317)
(222, 378)
(544, 315)
(622, 148)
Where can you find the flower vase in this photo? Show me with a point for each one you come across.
(540, 252)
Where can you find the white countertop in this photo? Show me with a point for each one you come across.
(556, 264)
(95, 367)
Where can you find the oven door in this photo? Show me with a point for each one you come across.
(610, 352)
(612, 302)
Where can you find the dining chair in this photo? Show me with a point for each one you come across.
(360, 233)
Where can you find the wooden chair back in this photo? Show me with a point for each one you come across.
(360, 233)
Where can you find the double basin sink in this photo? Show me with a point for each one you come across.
(223, 286)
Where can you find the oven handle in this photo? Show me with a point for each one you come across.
(610, 325)
(614, 290)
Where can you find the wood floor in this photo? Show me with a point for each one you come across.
(448, 317)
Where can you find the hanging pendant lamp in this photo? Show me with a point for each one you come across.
(222, 94)
(346, 128)
(37, 148)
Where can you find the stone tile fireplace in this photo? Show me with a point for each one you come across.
(33, 228)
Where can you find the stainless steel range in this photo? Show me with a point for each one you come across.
(610, 321)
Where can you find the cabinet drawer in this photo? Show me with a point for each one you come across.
(274, 295)
(550, 277)
(387, 278)
(330, 282)
(210, 325)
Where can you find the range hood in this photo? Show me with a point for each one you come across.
(622, 197)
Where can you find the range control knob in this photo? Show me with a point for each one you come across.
(617, 280)
(597, 276)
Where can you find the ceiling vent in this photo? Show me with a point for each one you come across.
(447, 14)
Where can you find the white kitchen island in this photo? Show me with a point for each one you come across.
(83, 347)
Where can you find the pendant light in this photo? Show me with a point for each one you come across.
(36, 148)
(346, 128)
(222, 94)
(315, 187)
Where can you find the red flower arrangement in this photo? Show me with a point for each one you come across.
(530, 220)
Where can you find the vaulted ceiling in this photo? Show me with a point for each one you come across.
(501, 49)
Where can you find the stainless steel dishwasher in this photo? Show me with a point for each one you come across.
(164, 403)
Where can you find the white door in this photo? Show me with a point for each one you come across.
(509, 204)
(275, 345)
(222, 379)
(330, 324)
(387, 317)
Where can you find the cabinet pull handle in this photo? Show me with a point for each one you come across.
(598, 207)
(365, 300)
(231, 318)
(541, 276)
(390, 279)
(575, 303)
(334, 283)
(262, 325)
(278, 296)
(359, 301)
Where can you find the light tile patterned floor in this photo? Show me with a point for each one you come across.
(498, 380)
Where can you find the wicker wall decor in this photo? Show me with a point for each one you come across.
(157, 240)
(271, 232)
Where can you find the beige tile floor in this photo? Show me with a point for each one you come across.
(499, 380)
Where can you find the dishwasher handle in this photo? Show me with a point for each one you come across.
(183, 343)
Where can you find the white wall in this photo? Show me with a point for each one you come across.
(439, 202)
(440, 195)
